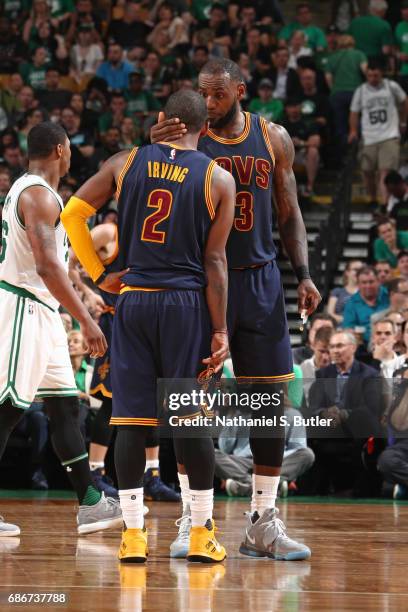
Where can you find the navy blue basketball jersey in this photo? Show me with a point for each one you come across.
(250, 160)
(165, 213)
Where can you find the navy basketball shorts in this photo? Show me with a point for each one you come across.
(101, 379)
(257, 325)
(156, 335)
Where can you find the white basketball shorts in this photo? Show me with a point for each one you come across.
(34, 358)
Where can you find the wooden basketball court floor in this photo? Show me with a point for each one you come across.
(359, 561)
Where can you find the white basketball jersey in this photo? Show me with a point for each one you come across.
(17, 264)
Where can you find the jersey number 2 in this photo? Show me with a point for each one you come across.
(162, 200)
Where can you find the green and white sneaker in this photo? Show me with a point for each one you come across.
(8, 529)
(179, 547)
(266, 537)
(103, 515)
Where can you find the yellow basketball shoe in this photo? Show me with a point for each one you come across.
(204, 548)
(133, 547)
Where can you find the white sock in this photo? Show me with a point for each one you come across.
(185, 491)
(202, 503)
(264, 492)
(131, 502)
(152, 464)
(94, 465)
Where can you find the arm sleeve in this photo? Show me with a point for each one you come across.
(74, 218)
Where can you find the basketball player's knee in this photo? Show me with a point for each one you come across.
(62, 409)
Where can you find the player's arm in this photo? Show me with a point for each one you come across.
(354, 122)
(291, 226)
(39, 210)
(101, 235)
(215, 263)
(84, 204)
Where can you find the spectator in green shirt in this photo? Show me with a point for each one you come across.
(344, 73)
(33, 72)
(9, 95)
(315, 37)
(401, 37)
(115, 115)
(62, 13)
(389, 242)
(373, 35)
(266, 105)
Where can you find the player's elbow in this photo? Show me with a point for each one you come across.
(46, 266)
(214, 259)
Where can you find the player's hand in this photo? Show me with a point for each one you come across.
(219, 351)
(308, 296)
(94, 339)
(113, 281)
(167, 130)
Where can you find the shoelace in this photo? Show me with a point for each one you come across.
(184, 523)
(278, 525)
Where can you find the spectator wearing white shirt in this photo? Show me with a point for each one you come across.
(297, 48)
(382, 105)
(383, 342)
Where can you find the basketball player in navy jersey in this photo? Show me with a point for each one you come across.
(259, 154)
(105, 240)
(176, 209)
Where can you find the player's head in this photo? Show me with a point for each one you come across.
(189, 107)
(222, 85)
(48, 142)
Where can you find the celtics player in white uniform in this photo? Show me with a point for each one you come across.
(33, 282)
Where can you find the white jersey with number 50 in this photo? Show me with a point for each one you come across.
(17, 263)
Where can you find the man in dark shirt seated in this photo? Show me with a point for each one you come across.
(351, 397)
(53, 96)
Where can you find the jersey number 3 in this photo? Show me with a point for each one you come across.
(162, 200)
(245, 220)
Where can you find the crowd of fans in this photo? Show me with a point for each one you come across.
(105, 69)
